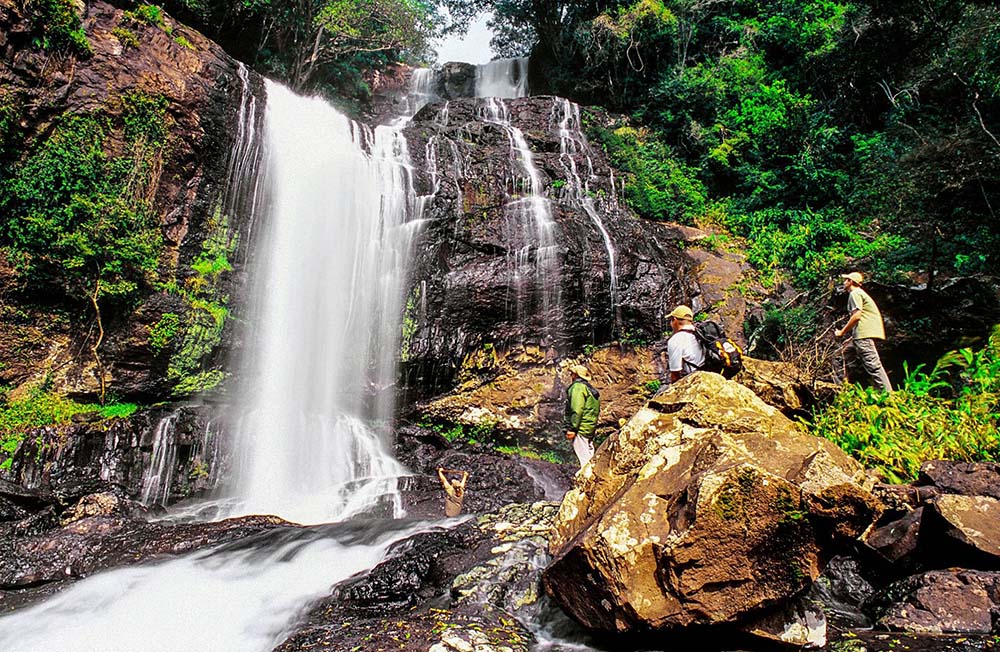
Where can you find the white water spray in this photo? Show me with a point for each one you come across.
(159, 473)
(243, 597)
(506, 78)
(532, 227)
(331, 278)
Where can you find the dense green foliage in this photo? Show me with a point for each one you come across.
(825, 133)
(949, 413)
(56, 26)
(194, 337)
(38, 408)
(326, 46)
(77, 220)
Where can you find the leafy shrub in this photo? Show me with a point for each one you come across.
(949, 413)
(57, 27)
(657, 184)
(147, 14)
(39, 408)
(163, 331)
(811, 244)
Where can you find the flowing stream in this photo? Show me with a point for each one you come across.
(240, 597)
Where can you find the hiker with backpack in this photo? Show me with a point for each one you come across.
(685, 353)
(583, 406)
(700, 347)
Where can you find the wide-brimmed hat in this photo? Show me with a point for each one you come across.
(580, 371)
(681, 312)
(854, 276)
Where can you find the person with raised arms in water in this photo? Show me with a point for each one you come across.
(454, 490)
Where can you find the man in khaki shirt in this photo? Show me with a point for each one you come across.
(865, 326)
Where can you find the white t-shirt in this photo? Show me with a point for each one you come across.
(684, 351)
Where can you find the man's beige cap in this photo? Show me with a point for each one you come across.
(581, 371)
(682, 312)
(854, 276)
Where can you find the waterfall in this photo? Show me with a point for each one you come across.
(159, 472)
(421, 89)
(532, 227)
(573, 144)
(507, 78)
(330, 278)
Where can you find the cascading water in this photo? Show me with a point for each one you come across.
(341, 218)
(573, 144)
(159, 471)
(532, 228)
(506, 78)
(331, 288)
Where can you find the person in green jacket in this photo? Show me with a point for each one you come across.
(583, 405)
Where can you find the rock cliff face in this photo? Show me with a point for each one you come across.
(207, 96)
(526, 242)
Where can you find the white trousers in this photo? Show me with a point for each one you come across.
(583, 448)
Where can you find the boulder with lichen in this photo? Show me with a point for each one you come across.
(708, 507)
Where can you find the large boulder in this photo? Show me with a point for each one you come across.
(708, 507)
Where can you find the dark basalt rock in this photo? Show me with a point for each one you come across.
(446, 590)
(963, 478)
(416, 570)
(495, 479)
(469, 288)
(898, 541)
(941, 602)
(57, 466)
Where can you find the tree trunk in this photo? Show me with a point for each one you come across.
(100, 337)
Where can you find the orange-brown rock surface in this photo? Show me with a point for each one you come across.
(707, 507)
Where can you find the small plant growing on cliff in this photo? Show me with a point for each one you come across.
(147, 14)
(632, 338)
(57, 27)
(126, 37)
(163, 331)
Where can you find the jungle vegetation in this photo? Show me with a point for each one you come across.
(814, 135)
(825, 133)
